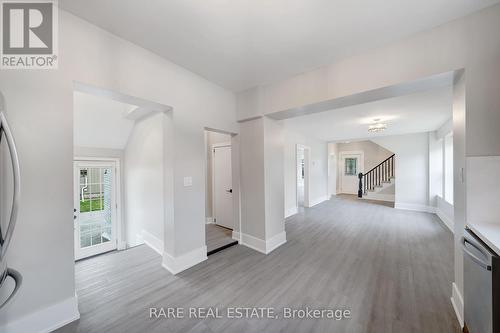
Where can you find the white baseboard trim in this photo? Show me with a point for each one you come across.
(263, 246)
(458, 304)
(379, 197)
(210, 220)
(314, 202)
(276, 241)
(414, 207)
(153, 242)
(235, 235)
(180, 263)
(254, 243)
(47, 319)
(446, 220)
(122, 245)
(291, 211)
(139, 240)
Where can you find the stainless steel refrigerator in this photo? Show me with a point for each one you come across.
(9, 203)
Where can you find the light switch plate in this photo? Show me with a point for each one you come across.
(188, 181)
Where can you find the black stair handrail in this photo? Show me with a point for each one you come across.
(382, 172)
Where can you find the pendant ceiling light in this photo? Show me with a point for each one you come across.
(377, 126)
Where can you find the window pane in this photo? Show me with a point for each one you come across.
(351, 166)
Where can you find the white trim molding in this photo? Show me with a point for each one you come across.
(210, 220)
(235, 235)
(47, 319)
(254, 243)
(180, 263)
(276, 241)
(263, 246)
(152, 241)
(458, 304)
(121, 245)
(379, 197)
(415, 207)
(291, 211)
(317, 201)
(446, 219)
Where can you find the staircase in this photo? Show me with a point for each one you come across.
(377, 180)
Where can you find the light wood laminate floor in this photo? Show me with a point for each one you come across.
(373, 202)
(217, 236)
(392, 269)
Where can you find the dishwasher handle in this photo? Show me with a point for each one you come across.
(473, 256)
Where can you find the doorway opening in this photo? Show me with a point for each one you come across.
(219, 211)
(115, 210)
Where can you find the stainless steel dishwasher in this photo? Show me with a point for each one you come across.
(481, 285)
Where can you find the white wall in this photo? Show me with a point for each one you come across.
(39, 105)
(445, 212)
(461, 110)
(144, 172)
(411, 168)
(436, 171)
(448, 168)
(332, 168)
(252, 178)
(262, 184)
(318, 174)
(100, 121)
(274, 179)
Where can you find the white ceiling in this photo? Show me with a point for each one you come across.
(101, 122)
(242, 43)
(420, 112)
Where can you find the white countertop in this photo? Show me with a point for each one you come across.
(488, 232)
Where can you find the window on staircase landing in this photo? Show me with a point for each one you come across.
(448, 168)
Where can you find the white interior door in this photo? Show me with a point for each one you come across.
(351, 164)
(95, 208)
(223, 186)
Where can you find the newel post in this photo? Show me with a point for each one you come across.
(360, 189)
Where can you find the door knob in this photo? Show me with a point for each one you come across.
(229, 191)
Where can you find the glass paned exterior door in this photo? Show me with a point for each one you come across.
(350, 166)
(95, 208)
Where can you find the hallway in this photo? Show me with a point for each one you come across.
(391, 268)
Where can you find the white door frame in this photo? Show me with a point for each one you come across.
(361, 167)
(120, 239)
(332, 174)
(307, 178)
(212, 152)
